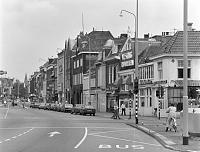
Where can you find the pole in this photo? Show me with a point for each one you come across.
(159, 98)
(89, 77)
(18, 89)
(136, 63)
(185, 83)
(130, 109)
(64, 74)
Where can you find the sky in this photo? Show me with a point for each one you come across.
(32, 30)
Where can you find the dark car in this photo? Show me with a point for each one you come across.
(68, 107)
(76, 109)
(88, 110)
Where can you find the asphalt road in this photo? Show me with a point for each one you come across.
(34, 130)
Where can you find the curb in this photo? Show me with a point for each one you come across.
(165, 142)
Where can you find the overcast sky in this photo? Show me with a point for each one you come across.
(31, 30)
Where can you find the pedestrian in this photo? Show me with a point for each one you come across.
(155, 112)
(5, 103)
(171, 117)
(123, 107)
(117, 111)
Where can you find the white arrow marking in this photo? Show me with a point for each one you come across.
(53, 133)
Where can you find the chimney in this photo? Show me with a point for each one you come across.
(123, 35)
(146, 36)
(189, 26)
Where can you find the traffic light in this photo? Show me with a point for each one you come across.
(136, 86)
(157, 93)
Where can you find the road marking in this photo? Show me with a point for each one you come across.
(84, 137)
(53, 133)
(35, 127)
(6, 113)
(20, 135)
(14, 137)
(126, 140)
(107, 132)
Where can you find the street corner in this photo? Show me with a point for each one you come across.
(164, 141)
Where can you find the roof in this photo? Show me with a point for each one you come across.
(96, 39)
(173, 46)
(115, 49)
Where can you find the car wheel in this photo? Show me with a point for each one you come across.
(93, 114)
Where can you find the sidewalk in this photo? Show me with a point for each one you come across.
(156, 128)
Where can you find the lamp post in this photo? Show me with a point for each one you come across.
(185, 83)
(135, 84)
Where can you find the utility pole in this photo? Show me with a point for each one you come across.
(136, 65)
(185, 83)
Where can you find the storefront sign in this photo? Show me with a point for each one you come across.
(127, 55)
(127, 63)
(143, 82)
(160, 82)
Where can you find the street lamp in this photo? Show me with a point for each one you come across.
(135, 84)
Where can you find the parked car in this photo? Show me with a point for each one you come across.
(35, 105)
(59, 107)
(88, 110)
(32, 104)
(53, 106)
(68, 107)
(48, 106)
(76, 109)
(42, 106)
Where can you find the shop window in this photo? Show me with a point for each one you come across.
(180, 73)
(150, 103)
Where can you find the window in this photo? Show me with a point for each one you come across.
(77, 63)
(74, 64)
(81, 62)
(114, 73)
(180, 69)
(160, 70)
(60, 68)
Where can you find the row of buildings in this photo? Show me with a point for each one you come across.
(97, 68)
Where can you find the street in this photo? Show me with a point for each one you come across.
(34, 130)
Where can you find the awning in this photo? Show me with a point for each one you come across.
(190, 82)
